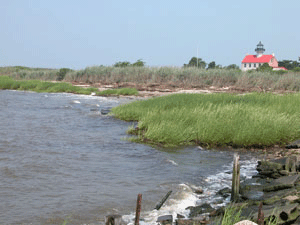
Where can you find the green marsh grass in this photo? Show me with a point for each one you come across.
(249, 120)
(42, 86)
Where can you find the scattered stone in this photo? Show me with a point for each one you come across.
(218, 212)
(292, 199)
(165, 220)
(197, 190)
(198, 210)
(281, 183)
(179, 216)
(190, 222)
(225, 192)
(113, 220)
(295, 144)
(105, 111)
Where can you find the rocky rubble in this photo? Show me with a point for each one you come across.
(277, 186)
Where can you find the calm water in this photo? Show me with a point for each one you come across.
(60, 159)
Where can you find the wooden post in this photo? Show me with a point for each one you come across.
(260, 216)
(138, 209)
(235, 179)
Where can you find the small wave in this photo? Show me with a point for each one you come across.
(176, 204)
(76, 102)
(172, 162)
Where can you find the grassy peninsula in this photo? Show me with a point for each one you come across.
(251, 120)
(43, 86)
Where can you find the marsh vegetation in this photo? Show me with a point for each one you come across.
(181, 77)
(219, 119)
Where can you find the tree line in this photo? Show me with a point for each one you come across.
(201, 64)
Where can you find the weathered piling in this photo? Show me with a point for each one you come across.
(260, 216)
(235, 179)
(138, 209)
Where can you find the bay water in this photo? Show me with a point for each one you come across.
(62, 161)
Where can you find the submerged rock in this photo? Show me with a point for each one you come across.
(225, 192)
(198, 210)
(105, 111)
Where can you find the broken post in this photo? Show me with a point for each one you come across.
(159, 205)
(235, 179)
(138, 209)
(260, 216)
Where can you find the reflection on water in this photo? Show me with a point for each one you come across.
(60, 159)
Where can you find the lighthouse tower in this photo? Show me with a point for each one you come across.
(259, 49)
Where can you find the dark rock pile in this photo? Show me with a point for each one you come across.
(277, 186)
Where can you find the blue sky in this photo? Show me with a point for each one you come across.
(77, 34)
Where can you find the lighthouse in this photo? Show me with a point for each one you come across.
(259, 49)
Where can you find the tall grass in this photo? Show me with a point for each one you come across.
(215, 119)
(189, 77)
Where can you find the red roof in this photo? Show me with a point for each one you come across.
(254, 59)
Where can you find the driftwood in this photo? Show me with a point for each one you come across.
(235, 179)
(159, 205)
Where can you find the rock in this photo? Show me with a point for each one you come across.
(165, 220)
(198, 210)
(218, 212)
(292, 198)
(197, 190)
(114, 219)
(253, 195)
(269, 169)
(245, 222)
(281, 183)
(179, 216)
(252, 189)
(225, 192)
(295, 144)
(194, 221)
(285, 214)
(105, 111)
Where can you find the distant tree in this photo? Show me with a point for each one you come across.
(60, 75)
(296, 69)
(139, 63)
(211, 65)
(233, 66)
(193, 63)
(289, 64)
(122, 64)
(265, 68)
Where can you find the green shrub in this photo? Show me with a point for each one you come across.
(62, 73)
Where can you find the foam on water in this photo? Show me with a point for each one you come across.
(185, 197)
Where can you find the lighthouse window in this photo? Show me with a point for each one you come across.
(249, 65)
(254, 65)
(245, 65)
